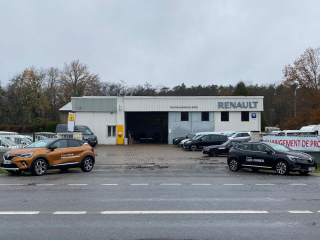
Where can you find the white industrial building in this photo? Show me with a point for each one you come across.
(160, 119)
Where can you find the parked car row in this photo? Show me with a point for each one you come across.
(242, 153)
(25, 140)
(204, 139)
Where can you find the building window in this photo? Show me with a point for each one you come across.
(112, 131)
(184, 116)
(245, 116)
(205, 116)
(224, 116)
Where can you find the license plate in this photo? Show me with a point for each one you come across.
(311, 169)
(6, 162)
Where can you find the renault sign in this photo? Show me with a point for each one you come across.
(237, 104)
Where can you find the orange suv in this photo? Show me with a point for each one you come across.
(51, 153)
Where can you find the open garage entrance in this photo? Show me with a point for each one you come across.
(149, 127)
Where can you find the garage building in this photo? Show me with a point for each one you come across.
(161, 119)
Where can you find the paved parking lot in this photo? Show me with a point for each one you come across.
(153, 154)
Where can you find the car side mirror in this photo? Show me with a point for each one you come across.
(268, 151)
(52, 148)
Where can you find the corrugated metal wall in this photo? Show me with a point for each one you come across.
(189, 104)
(94, 104)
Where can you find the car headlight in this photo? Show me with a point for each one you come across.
(188, 142)
(292, 158)
(26, 155)
(85, 138)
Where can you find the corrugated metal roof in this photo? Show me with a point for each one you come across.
(67, 107)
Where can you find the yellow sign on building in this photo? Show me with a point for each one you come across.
(71, 117)
(120, 134)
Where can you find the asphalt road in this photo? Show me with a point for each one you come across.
(170, 203)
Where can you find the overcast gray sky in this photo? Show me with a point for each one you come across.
(159, 41)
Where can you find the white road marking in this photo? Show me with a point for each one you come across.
(180, 212)
(77, 184)
(70, 212)
(300, 211)
(298, 184)
(200, 184)
(19, 212)
(170, 184)
(266, 184)
(147, 212)
(139, 184)
(111, 184)
(45, 184)
(11, 184)
(235, 184)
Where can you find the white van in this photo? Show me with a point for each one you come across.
(311, 128)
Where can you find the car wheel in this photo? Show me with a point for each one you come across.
(214, 153)
(193, 148)
(282, 168)
(304, 172)
(234, 165)
(14, 171)
(87, 164)
(39, 167)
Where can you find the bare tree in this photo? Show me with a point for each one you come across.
(52, 91)
(77, 81)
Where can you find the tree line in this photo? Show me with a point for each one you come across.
(34, 96)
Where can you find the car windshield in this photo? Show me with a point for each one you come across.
(28, 141)
(231, 135)
(273, 133)
(86, 131)
(279, 147)
(190, 136)
(9, 142)
(225, 143)
(197, 137)
(42, 143)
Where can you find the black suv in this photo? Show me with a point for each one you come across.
(202, 141)
(176, 141)
(223, 149)
(266, 155)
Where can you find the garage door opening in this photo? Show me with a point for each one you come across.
(147, 127)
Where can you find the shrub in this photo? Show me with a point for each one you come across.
(51, 126)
